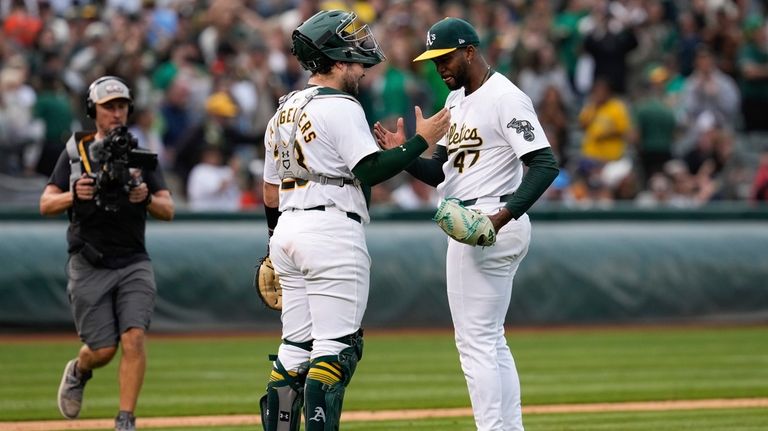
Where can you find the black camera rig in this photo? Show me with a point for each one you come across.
(115, 155)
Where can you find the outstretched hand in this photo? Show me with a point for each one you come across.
(431, 129)
(434, 127)
(388, 139)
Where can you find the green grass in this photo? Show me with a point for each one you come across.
(400, 371)
(687, 420)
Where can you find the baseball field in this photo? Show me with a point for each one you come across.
(576, 379)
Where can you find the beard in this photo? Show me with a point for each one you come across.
(460, 78)
(350, 84)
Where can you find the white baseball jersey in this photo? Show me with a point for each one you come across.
(333, 136)
(490, 129)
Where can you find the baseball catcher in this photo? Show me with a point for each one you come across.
(465, 225)
(267, 284)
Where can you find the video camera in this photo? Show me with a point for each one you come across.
(116, 154)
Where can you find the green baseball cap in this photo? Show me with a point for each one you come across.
(446, 36)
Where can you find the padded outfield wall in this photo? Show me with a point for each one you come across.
(584, 267)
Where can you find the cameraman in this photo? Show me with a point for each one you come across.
(111, 284)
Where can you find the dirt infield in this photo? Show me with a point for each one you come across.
(235, 420)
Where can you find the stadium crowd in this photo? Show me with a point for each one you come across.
(660, 103)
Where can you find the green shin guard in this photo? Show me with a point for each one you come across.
(323, 405)
(327, 380)
(281, 406)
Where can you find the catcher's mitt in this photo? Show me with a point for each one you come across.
(463, 224)
(267, 284)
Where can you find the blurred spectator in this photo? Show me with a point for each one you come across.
(267, 87)
(723, 36)
(619, 181)
(709, 89)
(654, 123)
(413, 194)
(609, 40)
(753, 64)
(720, 172)
(534, 33)
(144, 129)
(213, 184)
(656, 40)
(16, 129)
(21, 26)
(162, 26)
(711, 149)
(175, 115)
(760, 183)
(545, 72)
(658, 194)
(684, 185)
(218, 129)
(252, 193)
(183, 59)
(92, 58)
(53, 108)
(177, 54)
(688, 41)
(553, 116)
(606, 123)
(229, 21)
(381, 197)
(398, 89)
(565, 32)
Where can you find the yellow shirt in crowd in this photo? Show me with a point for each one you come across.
(606, 128)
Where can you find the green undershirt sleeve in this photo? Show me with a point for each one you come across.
(542, 170)
(383, 165)
(430, 171)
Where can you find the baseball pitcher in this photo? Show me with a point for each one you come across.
(478, 170)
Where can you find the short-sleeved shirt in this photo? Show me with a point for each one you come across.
(604, 137)
(118, 235)
(655, 121)
(333, 137)
(490, 130)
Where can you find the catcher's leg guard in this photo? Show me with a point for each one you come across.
(281, 406)
(327, 380)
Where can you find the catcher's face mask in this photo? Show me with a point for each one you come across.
(335, 36)
(360, 36)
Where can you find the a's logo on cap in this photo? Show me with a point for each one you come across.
(461, 41)
(430, 38)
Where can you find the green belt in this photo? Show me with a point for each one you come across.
(350, 215)
(505, 198)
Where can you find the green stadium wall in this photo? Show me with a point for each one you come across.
(582, 268)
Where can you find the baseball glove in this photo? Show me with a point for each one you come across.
(465, 225)
(267, 284)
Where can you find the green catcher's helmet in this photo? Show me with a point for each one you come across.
(331, 36)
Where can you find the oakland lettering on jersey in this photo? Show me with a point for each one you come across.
(305, 126)
(464, 138)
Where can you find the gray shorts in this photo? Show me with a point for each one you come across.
(107, 302)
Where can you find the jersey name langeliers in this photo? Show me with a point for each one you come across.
(332, 136)
(490, 129)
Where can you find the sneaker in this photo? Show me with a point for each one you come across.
(71, 390)
(125, 421)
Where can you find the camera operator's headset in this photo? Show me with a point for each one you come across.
(90, 105)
